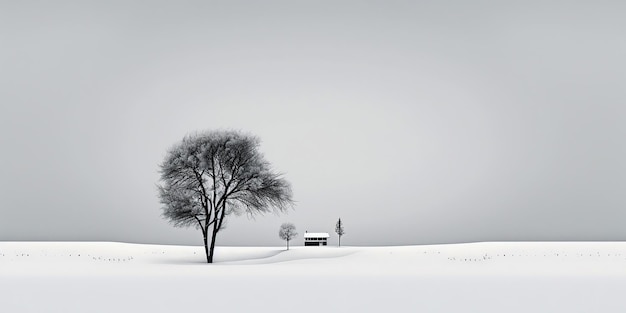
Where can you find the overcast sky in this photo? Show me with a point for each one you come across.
(414, 121)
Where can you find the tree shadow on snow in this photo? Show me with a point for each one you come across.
(223, 258)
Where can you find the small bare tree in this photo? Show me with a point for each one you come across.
(287, 232)
(339, 230)
(209, 175)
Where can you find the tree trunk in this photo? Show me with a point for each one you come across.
(206, 249)
(217, 225)
(287, 244)
(205, 231)
(340, 240)
(212, 248)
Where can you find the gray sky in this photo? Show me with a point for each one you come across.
(413, 121)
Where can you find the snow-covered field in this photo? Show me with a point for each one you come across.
(478, 277)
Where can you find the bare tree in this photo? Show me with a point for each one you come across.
(209, 175)
(287, 232)
(339, 230)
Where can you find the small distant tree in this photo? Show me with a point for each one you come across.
(339, 230)
(287, 232)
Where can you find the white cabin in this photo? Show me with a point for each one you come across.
(316, 239)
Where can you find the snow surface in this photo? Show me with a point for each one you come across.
(478, 277)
